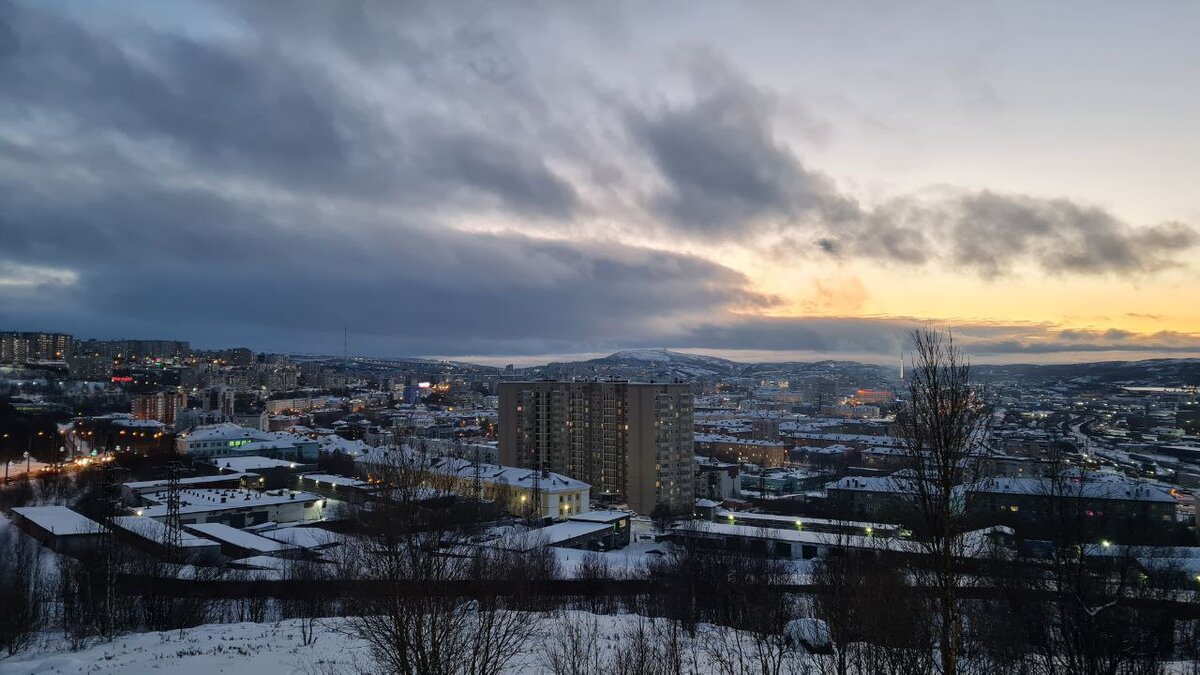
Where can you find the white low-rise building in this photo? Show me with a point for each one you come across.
(237, 507)
(231, 440)
(514, 489)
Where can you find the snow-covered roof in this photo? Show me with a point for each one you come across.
(333, 443)
(225, 431)
(305, 537)
(59, 520)
(550, 536)
(722, 438)
(239, 538)
(835, 449)
(848, 438)
(1092, 486)
(549, 482)
(608, 517)
(154, 530)
(869, 483)
(341, 481)
(714, 462)
(203, 501)
(264, 563)
(161, 484)
(896, 452)
(493, 473)
(797, 536)
(248, 463)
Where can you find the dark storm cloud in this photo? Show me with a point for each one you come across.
(224, 191)
(269, 176)
(251, 108)
(234, 107)
(224, 270)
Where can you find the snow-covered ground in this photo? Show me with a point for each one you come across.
(236, 649)
(277, 648)
(628, 559)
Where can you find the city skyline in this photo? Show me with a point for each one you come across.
(538, 183)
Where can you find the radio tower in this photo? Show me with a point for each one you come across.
(174, 533)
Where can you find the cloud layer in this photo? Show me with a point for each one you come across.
(449, 179)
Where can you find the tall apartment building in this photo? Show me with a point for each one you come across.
(20, 347)
(134, 350)
(631, 441)
(162, 406)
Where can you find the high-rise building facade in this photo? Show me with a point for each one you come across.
(19, 347)
(135, 350)
(631, 441)
(162, 406)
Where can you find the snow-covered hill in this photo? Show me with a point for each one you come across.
(668, 362)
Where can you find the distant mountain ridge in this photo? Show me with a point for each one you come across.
(677, 364)
(1155, 372)
(665, 363)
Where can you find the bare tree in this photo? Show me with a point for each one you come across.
(20, 590)
(838, 601)
(573, 646)
(596, 571)
(654, 646)
(250, 606)
(501, 631)
(430, 610)
(741, 590)
(311, 601)
(942, 423)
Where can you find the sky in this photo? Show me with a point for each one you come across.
(514, 182)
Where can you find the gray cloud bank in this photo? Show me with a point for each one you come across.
(728, 174)
(268, 177)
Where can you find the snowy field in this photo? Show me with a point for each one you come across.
(237, 649)
(263, 649)
(277, 648)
